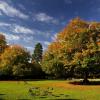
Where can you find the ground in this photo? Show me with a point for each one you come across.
(47, 89)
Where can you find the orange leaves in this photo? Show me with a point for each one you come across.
(76, 36)
(77, 23)
(13, 51)
(55, 46)
(75, 47)
(98, 43)
(76, 26)
(14, 55)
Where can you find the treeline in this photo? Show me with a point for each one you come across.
(17, 63)
(74, 53)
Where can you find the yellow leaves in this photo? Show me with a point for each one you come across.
(88, 52)
(74, 34)
(14, 55)
(77, 23)
(79, 55)
(85, 52)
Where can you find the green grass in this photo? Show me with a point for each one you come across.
(13, 90)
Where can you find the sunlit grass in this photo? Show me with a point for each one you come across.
(14, 90)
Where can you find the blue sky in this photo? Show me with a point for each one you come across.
(27, 22)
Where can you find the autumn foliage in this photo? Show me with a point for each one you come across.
(15, 62)
(74, 53)
(77, 48)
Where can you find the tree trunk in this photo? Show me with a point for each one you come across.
(85, 81)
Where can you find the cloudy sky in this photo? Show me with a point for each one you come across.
(27, 22)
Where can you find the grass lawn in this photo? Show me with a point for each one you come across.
(60, 90)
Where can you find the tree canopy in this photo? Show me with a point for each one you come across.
(75, 52)
(14, 60)
(76, 47)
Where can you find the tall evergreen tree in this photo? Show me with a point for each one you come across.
(37, 54)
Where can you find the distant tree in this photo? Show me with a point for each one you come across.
(3, 43)
(36, 70)
(37, 54)
(14, 61)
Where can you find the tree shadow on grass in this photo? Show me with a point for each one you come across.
(58, 97)
(82, 83)
(1, 96)
(65, 99)
(23, 99)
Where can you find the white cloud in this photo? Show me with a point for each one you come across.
(18, 28)
(4, 24)
(21, 29)
(46, 43)
(43, 17)
(27, 37)
(68, 1)
(54, 37)
(11, 11)
(15, 28)
(11, 37)
(29, 48)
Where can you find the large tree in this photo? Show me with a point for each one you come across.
(37, 54)
(78, 38)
